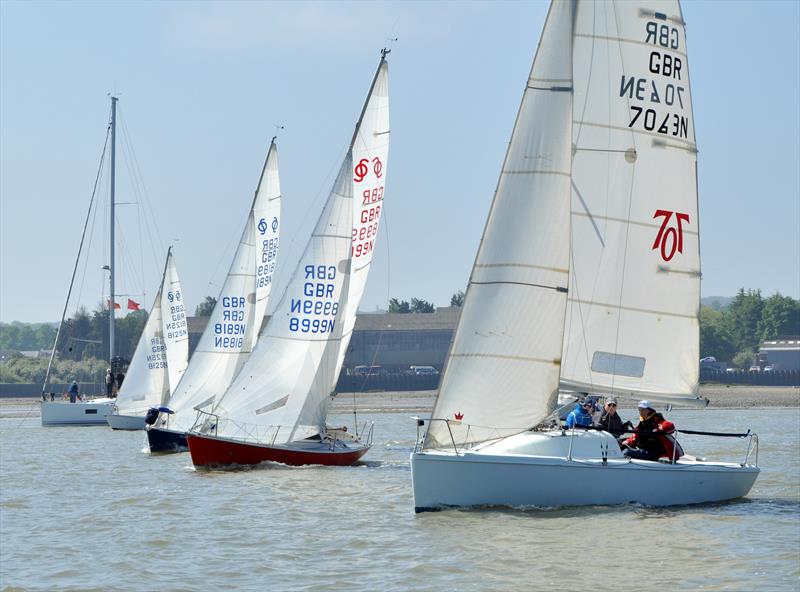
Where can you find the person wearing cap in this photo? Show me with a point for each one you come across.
(611, 422)
(652, 438)
(581, 416)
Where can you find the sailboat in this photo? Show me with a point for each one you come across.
(587, 278)
(87, 410)
(160, 358)
(234, 324)
(276, 409)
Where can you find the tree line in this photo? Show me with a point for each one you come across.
(731, 333)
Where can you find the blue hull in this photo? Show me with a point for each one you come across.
(166, 441)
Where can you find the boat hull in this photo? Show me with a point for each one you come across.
(125, 422)
(166, 441)
(81, 413)
(208, 451)
(445, 479)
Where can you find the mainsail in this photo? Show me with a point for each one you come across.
(175, 333)
(598, 196)
(233, 325)
(502, 371)
(370, 150)
(632, 320)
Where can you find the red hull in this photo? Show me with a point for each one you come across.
(212, 451)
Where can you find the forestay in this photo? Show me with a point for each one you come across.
(283, 386)
(146, 383)
(632, 321)
(502, 372)
(233, 325)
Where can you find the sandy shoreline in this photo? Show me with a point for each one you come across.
(421, 402)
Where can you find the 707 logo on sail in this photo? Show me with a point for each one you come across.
(670, 239)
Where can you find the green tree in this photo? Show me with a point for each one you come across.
(715, 338)
(743, 317)
(399, 306)
(421, 306)
(206, 307)
(457, 299)
(780, 317)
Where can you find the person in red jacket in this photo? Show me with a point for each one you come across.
(652, 438)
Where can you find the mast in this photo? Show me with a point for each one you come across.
(111, 238)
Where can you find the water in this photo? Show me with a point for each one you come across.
(87, 509)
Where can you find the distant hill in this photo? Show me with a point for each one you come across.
(716, 302)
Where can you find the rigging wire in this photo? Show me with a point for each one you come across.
(75, 269)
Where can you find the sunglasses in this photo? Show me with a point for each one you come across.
(611, 404)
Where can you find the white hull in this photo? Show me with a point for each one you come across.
(94, 412)
(510, 473)
(125, 422)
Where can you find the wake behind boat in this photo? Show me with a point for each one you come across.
(587, 278)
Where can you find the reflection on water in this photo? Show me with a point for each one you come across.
(85, 508)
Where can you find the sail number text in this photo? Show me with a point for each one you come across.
(265, 269)
(664, 89)
(316, 311)
(366, 229)
(229, 334)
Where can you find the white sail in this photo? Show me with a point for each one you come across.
(632, 321)
(173, 317)
(280, 392)
(266, 217)
(370, 149)
(146, 382)
(232, 327)
(502, 372)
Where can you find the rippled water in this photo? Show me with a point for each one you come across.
(86, 508)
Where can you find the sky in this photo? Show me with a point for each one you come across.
(202, 86)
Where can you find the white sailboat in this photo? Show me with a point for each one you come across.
(160, 359)
(234, 324)
(276, 409)
(87, 410)
(587, 278)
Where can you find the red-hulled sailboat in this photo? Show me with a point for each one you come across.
(276, 408)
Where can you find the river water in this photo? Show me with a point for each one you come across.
(88, 509)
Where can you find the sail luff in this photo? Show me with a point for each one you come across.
(502, 371)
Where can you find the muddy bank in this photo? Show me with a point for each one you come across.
(421, 402)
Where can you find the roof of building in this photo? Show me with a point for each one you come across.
(790, 344)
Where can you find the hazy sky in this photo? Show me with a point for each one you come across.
(202, 84)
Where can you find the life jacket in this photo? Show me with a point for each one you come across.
(663, 431)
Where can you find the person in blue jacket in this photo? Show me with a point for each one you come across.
(73, 392)
(581, 415)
